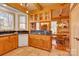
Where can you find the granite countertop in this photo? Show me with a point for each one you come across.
(8, 34)
(5, 33)
(39, 34)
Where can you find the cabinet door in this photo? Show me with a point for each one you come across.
(56, 13)
(34, 42)
(14, 41)
(39, 43)
(7, 45)
(47, 44)
(1, 46)
(65, 12)
(30, 41)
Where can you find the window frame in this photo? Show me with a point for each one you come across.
(19, 22)
(13, 20)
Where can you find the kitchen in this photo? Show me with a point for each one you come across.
(34, 27)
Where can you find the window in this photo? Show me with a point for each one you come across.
(54, 27)
(22, 22)
(6, 21)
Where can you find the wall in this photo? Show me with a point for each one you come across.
(23, 38)
(74, 28)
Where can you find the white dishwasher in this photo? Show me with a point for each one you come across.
(23, 40)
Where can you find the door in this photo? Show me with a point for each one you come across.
(74, 23)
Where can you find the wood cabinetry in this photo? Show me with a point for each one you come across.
(4, 45)
(43, 17)
(47, 43)
(60, 13)
(63, 26)
(8, 43)
(1, 45)
(33, 26)
(45, 26)
(56, 13)
(40, 41)
(14, 41)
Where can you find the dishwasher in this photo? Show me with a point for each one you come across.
(23, 40)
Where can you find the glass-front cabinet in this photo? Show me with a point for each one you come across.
(45, 26)
(40, 21)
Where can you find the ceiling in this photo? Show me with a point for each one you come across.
(41, 6)
(33, 7)
(9, 9)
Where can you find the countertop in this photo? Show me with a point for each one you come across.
(8, 34)
(41, 34)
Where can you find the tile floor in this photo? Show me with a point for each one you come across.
(31, 51)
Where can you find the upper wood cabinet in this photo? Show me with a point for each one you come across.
(47, 16)
(65, 12)
(60, 13)
(33, 26)
(36, 21)
(41, 16)
(63, 26)
(31, 17)
(45, 26)
(36, 17)
(44, 16)
(56, 13)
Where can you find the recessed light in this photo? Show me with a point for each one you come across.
(21, 4)
(26, 11)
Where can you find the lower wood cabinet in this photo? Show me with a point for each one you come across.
(1, 46)
(40, 41)
(8, 43)
(14, 41)
(47, 43)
